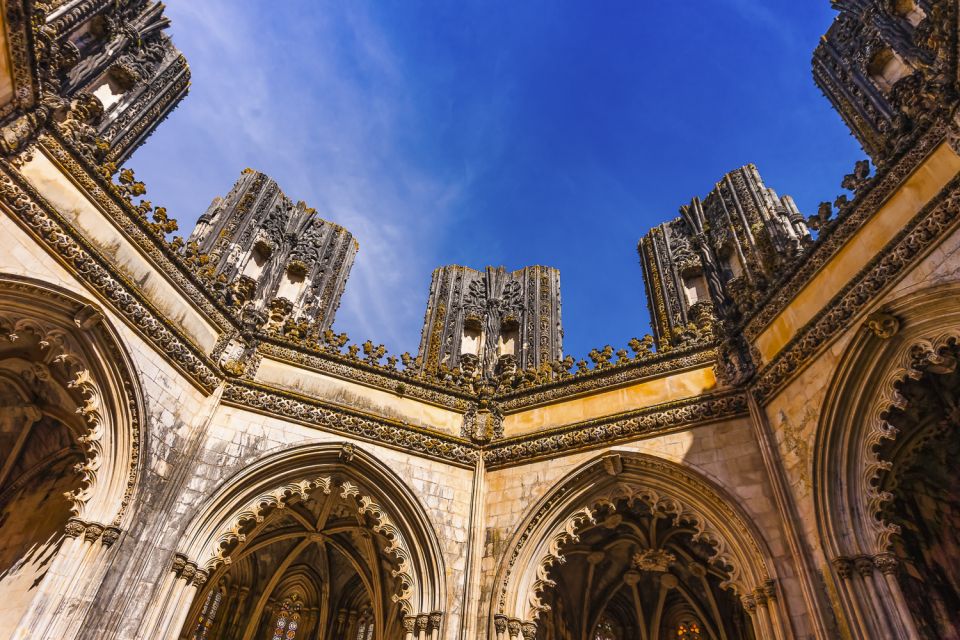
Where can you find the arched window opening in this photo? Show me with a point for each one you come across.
(688, 630)
(910, 11)
(472, 336)
(887, 69)
(695, 287)
(288, 621)
(509, 337)
(607, 629)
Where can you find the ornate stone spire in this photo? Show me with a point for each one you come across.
(280, 256)
(493, 320)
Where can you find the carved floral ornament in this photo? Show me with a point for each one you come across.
(854, 424)
(61, 348)
(666, 488)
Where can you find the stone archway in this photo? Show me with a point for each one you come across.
(637, 545)
(886, 493)
(70, 415)
(323, 533)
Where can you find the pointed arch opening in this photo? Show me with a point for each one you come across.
(634, 546)
(887, 501)
(70, 417)
(324, 537)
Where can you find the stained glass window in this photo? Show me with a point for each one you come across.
(208, 614)
(688, 630)
(606, 630)
(288, 621)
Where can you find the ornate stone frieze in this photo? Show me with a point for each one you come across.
(352, 423)
(356, 371)
(611, 430)
(931, 224)
(121, 211)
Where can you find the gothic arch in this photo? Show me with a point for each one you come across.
(906, 342)
(80, 348)
(71, 413)
(666, 489)
(226, 527)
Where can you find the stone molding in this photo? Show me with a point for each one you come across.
(643, 423)
(45, 224)
(927, 228)
(870, 198)
(667, 487)
(311, 412)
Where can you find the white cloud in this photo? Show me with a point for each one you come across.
(322, 113)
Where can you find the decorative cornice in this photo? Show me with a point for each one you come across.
(340, 366)
(44, 223)
(659, 364)
(592, 434)
(870, 199)
(921, 234)
(136, 228)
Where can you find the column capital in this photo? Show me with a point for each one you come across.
(74, 528)
(770, 590)
(887, 563)
(844, 567)
(422, 621)
(529, 630)
(864, 566)
(110, 535)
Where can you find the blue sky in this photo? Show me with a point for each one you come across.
(509, 133)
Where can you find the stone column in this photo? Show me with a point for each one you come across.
(750, 605)
(352, 619)
(436, 620)
(423, 620)
(74, 575)
(763, 615)
(500, 625)
(176, 606)
(777, 620)
(901, 615)
(513, 628)
(844, 569)
(409, 624)
(341, 621)
(880, 625)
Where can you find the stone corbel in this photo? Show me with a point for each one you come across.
(883, 325)
(612, 464)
